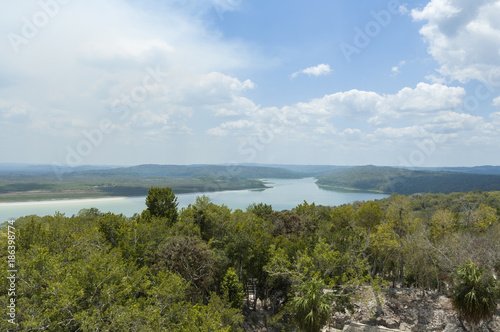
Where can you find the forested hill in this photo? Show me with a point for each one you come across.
(43, 182)
(405, 181)
(190, 171)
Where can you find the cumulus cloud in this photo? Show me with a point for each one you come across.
(446, 122)
(319, 70)
(464, 37)
(418, 102)
(426, 104)
(153, 68)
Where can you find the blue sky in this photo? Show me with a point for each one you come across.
(127, 82)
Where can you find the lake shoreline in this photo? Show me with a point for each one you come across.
(285, 194)
(346, 189)
(24, 197)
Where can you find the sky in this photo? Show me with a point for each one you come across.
(339, 82)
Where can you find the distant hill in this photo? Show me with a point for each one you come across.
(492, 170)
(18, 168)
(191, 171)
(26, 183)
(306, 170)
(404, 181)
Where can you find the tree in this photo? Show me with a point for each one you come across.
(368, 216)
(260, 210)
(211, 219)
(112, 227)
(312, 305)
(400, 218)
(162, 203)
(232, 289)
(474, 295)
(442, 224)
(189, 257)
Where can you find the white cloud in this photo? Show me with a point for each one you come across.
(429, 105)
(11, 111)
(397, 69)
(217, 131)
(496, 102)
(425, 97)
(69, 76)
(403, 10)
(237, 105)
(319, 70)
(405, 132)
(149, 119)
(464, 37)
(448, 122)
(496, 119)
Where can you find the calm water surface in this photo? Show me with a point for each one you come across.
(285, 194)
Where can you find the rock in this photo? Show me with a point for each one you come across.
(408, 310)
(357, 327)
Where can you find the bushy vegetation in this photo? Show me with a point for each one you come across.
(193, 269)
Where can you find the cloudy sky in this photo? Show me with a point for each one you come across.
(339, 82)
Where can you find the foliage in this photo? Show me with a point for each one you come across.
(233, 289)
(311, 306)
(102, 271)
(162, 203)
(474, 295)
(190, 258)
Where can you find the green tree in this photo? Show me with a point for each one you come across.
(368, 216)
(260, 210)
(211, 219)
(441, 224)
(474, 295)
(112, 227)
(191, 258)
(232, 289)
(162, 203)
(312, 305)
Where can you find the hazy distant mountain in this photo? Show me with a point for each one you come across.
(19, 168)
(308, 170)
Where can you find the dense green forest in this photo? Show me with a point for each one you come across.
(193, 269)
(405, 181)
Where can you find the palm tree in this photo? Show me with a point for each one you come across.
(312, 306)
(474, 296)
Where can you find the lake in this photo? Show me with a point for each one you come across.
(285, 194)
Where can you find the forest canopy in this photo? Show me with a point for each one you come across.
(207, 267)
